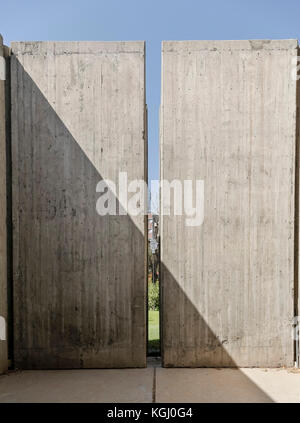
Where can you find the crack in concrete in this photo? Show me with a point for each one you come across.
(154, 386)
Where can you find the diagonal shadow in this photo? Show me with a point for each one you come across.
(79, 297)
(179, 348)
(79, 278)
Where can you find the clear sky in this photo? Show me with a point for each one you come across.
(153, 21)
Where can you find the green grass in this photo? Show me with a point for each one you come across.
(153, 335)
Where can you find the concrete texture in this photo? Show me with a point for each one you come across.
(151, 385)
(127, 385)
(228, 117)
(78, 116)
(227, 385)
(3, 230)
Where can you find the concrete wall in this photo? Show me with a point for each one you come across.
(78, 116)
(3, 245)
(228, 117)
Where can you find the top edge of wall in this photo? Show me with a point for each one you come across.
(73, 47)
(215, 45)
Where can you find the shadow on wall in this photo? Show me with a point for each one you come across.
(79, 281)
(179, 347)
(79, 297)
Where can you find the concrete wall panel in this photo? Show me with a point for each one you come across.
(228, 117)
(78, 116)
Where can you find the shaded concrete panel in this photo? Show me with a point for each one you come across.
(78, 116)
(228, 117)
(3, 231)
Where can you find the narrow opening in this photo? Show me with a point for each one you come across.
(154, 281)
(153, 285)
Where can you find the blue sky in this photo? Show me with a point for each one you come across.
(152, 21)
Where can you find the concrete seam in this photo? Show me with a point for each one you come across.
(154, 386)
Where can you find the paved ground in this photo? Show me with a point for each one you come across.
(227, 385)
(153, 384)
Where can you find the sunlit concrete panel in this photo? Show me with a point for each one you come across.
(228, 119)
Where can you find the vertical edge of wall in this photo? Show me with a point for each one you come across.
(3, 232)
(145, 135)
(161, 276)
(146, 218)
(296, 238)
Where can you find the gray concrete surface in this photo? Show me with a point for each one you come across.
(3, 229)
(78, 117)
(228, 118)
(227, 385)
(151, 385)
(127, 385)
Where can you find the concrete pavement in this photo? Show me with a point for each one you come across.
(73, 386)
(153, 384)
(227, 385)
